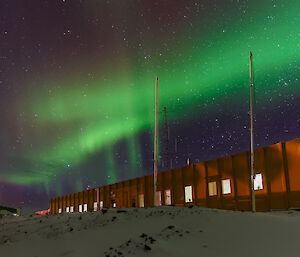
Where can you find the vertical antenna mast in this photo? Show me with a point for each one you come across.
(252, 138)
(155, 142)
(166, 139)
(98, 199)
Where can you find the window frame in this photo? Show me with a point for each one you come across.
(188, 200)
(222, 183)
(158, 193)
(95, 205)
(170, 197)
(141, 196)
(85, 207)
(101, 205)
(212, 194)
(255, 183)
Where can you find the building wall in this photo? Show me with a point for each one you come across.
(278, 165)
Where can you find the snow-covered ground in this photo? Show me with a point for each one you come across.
(162, 231)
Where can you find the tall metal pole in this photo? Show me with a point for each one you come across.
(98, 199)
(155, 142)
(252, 138)
(166, 140)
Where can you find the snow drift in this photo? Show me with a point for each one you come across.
(161, 231)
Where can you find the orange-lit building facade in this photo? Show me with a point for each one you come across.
(223, 183)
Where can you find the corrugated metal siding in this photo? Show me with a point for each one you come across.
(279, 165)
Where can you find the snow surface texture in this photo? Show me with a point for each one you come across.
(161, 231)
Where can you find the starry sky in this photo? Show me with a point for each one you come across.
(77, 87)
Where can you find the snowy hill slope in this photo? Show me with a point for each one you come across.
(161, 231)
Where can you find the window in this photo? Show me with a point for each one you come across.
(212, 188)
(158, 198)
(72, 209)
(59, 210)
(226, 186)
(95, 206)
(188, 194)
(67, 209)
(101, 205)
(85, 207)
(141, 201)
(168, 197)
(258, 182)
(80, 207)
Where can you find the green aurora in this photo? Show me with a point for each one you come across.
(80, 120)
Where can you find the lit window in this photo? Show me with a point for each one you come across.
(226, 186)
(80, 208)
(101, 205)
(212, 188)
(158, 198)
(85, 207)
(168, 197)
(72, 209)
(188, 193)
(258, 182)
(95, 206)
(67, 209)
(141, 201)
(59, 210)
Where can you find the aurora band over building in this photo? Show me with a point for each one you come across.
(119, 103)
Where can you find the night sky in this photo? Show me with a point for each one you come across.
(77, 87)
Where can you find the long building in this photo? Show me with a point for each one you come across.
(222, 183)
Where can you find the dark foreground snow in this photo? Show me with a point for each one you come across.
(159, 232)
